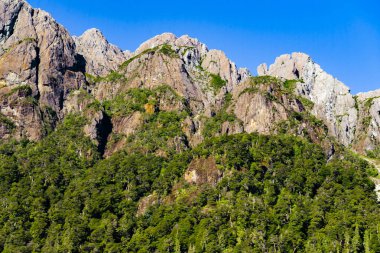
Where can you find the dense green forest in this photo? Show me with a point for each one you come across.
(271, 194)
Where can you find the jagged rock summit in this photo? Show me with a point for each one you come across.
(46, 74)
(352, 119)
(214, 61)
(332, 99)
(101, 57)
(37, 55)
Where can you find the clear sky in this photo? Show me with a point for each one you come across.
(343, 36)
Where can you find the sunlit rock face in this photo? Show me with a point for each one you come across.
(101, 57)
(332, 100)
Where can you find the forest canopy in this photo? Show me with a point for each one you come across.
(274, 193)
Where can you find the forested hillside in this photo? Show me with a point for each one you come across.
(173, 148)
(239, 193)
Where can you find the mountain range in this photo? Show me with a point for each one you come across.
(51, 68)
(168, 97)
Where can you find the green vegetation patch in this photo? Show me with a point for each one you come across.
(124, 104)
(366, 121)
(266, 80)
(369, 102)
(185, 49)
(8, 123)
(217, 82)
(159, 132)
(167, 50)
(113, 76)
(125, 64)
(374, 154)
(135, 99)
(296, 118)
(289, 86)
(308, 104)
(25, 40)
(22, 90)
(281, 87)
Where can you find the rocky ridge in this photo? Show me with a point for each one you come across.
(353, 120)
(46, 74)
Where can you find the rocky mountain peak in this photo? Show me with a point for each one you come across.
(196, 56)
(165, 38)
(41, 64)
(369, 94)
(331, 98)
(100, 56)
(37, 54)
(95, 33)
(286, 66)
(185, 41)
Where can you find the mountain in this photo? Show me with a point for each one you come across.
(39, 68)
(54, 65)
(172, 147)
(352, 119)
(101, 57)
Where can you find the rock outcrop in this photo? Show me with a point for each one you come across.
(101, 57)
(38, 52)
(195, 53)
(368, 125)
(199, 76)
(332, 100)
(203, 171)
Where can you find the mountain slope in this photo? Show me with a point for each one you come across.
(54, 65)
(173, 148)
(242, 193)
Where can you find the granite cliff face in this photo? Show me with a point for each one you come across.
(368, 125)
(201, 78)
(100, 56)
(46, 74)
(353, 120)
(36, 54)
(332, 100)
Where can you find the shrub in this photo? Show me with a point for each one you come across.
(306, 102)
(217, 82)
(372, 172)
(8, 123)
(289, 86)
(168, 51)
(257, 80)
(22, 90)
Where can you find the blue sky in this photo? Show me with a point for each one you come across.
(342, 36)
